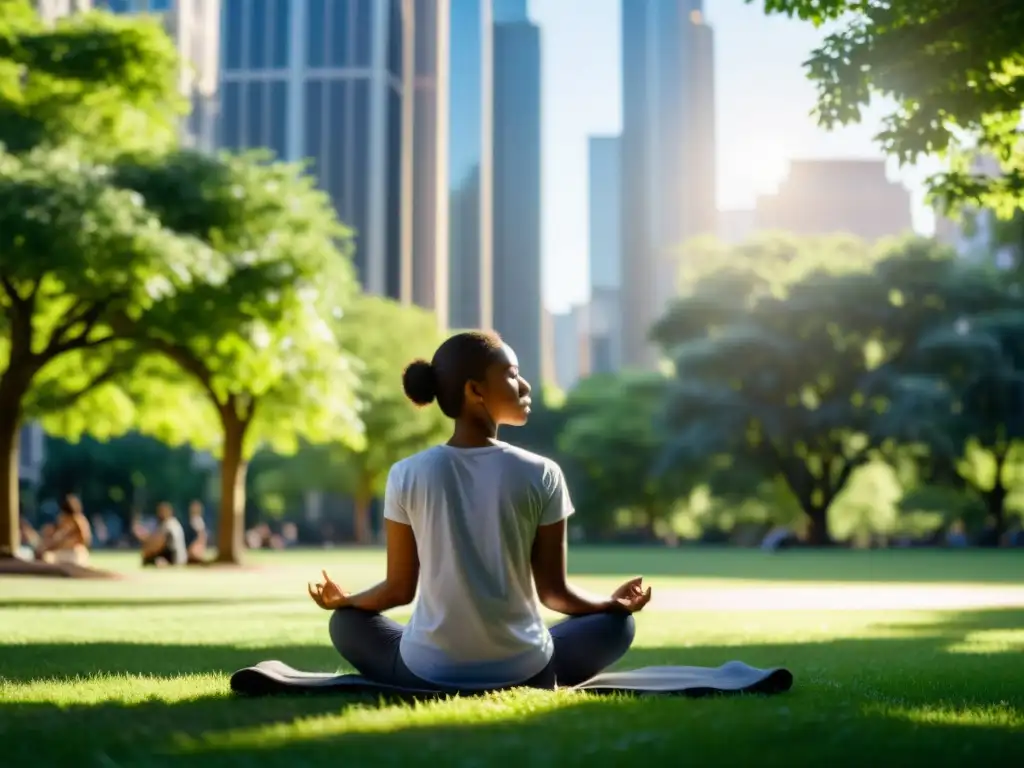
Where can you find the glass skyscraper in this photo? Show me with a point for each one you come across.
(452, 161)
(517, 183)
(667, 150)
(323, 80)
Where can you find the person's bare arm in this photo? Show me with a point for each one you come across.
(154, 543)
(398, 587)
(549, 574)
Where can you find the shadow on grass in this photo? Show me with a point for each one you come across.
(909, 566)
(854, 703)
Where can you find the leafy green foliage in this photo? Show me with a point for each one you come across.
(126, 475)
(105, 83)
(801, 380)
(384, 337)
(257, 335)
(979, 360)
(257, 338)
(76, 252)
(955, 70)
(611, 437)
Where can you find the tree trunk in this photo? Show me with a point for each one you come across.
(995, 505)
(361, 502)
(817, 529)
(10, 531)
(11, 393)
(231, 532)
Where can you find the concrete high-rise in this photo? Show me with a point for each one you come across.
(452, 161)
(517, 183)
(823, 197)
(668, 186)
(325, 81)
(605, 236)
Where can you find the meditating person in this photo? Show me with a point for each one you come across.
(480, 527)
(166, 545)
(69, 540)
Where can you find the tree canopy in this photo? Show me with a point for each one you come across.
(75, 253)
(954, 70)
(257, 337)
(104, 83)
(805, 381)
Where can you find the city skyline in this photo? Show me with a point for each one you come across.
(762, 107)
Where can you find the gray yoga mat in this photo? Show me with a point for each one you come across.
(275, 677)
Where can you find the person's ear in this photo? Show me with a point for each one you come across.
(474, 392)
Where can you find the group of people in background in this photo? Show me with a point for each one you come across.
(70, 538)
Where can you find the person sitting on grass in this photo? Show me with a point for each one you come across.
(69, 540)
(196, 552)
(166, 545)
(480, 526)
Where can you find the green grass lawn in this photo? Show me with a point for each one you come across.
(135, 671)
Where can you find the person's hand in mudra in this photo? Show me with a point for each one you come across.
(631, 596)
(328, 595)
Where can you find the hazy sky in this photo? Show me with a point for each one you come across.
(763, 121)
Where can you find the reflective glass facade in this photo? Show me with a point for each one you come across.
(517, 190)
(470, 40)
(338, 92)
(664, 188)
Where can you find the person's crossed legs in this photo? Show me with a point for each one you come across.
(584, 647)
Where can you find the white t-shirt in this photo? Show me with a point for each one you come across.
(174, 540)
(475, 512)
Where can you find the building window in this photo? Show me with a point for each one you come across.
(314, 128)
(340, 28)
(360, 141)
(364, 33)
(395, 41)
(277, 140)
(316, 31)
(232, 34)
(256, 135)
(257, 34)
(282, 34)
(338, 140)
(231, 125)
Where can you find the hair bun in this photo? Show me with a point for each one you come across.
(420, 382)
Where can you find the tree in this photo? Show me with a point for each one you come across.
(256, 339)
(611, 436)
(802, 381)
(953, 69)
(72, 249)
(106, 84)
(75, 252)
(979, 360)
(123, 475)
(385, 337)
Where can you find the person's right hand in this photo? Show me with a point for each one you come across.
(631, 596)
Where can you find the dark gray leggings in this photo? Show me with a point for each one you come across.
(584, 646)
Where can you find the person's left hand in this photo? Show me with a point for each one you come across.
(328, 595)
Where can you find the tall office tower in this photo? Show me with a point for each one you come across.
(517, 184)
(604, 206)
(325, 80)
(667, 156)
(453, 161)
(194, 25)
